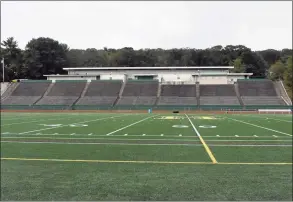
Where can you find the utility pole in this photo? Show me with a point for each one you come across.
(3, 68)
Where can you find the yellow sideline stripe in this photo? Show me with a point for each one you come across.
(144, 162)
(208, 150)
(104, 161)
(212, 157)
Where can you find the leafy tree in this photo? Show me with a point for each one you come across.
(276, 71)
(238, 65)
(288, 79)
(45, 56)
(255, 64)
(270, 56)
(13, 59)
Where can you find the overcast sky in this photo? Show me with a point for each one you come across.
(93, 24)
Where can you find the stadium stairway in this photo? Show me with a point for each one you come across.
(142, 92)
(120, 93)
(85, 89)
(49, 89)
(238, 94)
(9, 90)
(281, 91)
(198, 93)
(259, 92)
(83, 92)
(4, 86)
(158, 94)
(46, 92)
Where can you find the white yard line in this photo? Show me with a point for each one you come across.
(130, 125)
(268, 118)
(38, 121)
(146, 144)
(71, 123)
(280, 120)
(260, 126)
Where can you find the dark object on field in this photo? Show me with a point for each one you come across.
(175, 112)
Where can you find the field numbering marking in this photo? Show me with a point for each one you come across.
(203, 142)
(66, 125)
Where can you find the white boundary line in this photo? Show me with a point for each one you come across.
(67, 125)
(260, 126)
(166, 139)
(130, 125)
(147, 144)
(181, 137)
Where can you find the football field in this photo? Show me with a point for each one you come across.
(92, 156)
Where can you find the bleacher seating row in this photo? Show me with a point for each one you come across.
(112, 93)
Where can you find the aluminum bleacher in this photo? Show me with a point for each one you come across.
(101, 93)
(221, 94)
(139, 93)
(178, 95)
(63, 93)
(259, 92)
(26, 93)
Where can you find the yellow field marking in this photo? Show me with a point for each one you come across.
(170, 117)
(143, 162)
(208, 150)
(105, 161)
(203, 142)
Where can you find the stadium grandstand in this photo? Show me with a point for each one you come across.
(145, 87)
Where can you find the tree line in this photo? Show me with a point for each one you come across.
(48, 56)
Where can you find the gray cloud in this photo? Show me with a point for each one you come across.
(258, 25)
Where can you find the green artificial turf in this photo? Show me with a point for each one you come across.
(124, 141)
